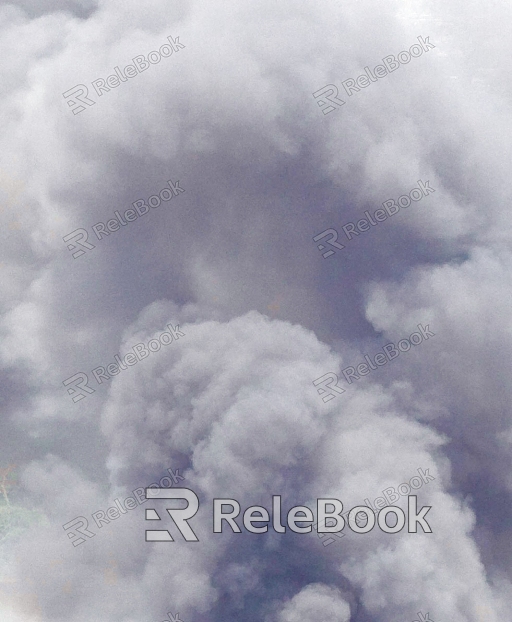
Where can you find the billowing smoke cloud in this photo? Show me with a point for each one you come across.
(231, 118)
(316, 602)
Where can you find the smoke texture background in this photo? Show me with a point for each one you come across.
(232, 261)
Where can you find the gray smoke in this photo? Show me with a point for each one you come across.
(231, 404)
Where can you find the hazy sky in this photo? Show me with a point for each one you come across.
(228, 123)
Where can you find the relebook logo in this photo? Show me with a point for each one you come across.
(79, 526)
(327, 384)
(296, 516)
(77, 240)
(391, 496)
(79, 94)
(328, 95)
(390, 209)
(77, 385)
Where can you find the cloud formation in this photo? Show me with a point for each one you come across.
(233, 262)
